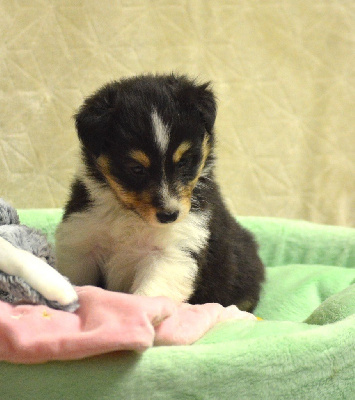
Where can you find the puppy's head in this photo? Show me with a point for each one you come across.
(150, 138)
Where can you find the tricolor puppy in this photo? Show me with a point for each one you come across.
(145, 215)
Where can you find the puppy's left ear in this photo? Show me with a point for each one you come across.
(195, 96)
(207, 106)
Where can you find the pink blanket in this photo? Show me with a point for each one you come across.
(105, 322)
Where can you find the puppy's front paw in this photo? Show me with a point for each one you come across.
(173, 294)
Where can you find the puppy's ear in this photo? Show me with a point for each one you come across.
(197, 96)
(207, 106)
(94, 120)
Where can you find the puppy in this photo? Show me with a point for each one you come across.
(145, 215)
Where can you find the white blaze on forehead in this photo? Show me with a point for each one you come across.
(161, 131)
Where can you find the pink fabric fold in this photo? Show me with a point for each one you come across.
(105, 322)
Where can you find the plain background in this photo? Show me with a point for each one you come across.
(283, 72)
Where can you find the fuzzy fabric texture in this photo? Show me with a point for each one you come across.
(22, 236)
(303, 349)
(13, 288)
(16, 290)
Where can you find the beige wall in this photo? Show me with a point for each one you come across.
(283, 72)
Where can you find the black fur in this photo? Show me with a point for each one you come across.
(117, 119)
(79, 199)
(230, 270)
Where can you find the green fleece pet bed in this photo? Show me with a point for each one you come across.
(303, 349)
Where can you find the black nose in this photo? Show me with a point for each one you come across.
(166, 217)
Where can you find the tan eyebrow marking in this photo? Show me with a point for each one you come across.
(141, 157)
(181, 150)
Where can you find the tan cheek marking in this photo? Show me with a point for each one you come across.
(104, 165)
(141, 157)
(206, 149)
(126, 197)
(139, 202)
(186, 191)
(180, 151)
(143, 204)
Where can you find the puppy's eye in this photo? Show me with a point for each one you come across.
(138, 170)
(183, 162)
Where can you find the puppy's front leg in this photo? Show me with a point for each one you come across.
(75, 255)
(166, 276)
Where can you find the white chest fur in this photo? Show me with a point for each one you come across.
(132, 256)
